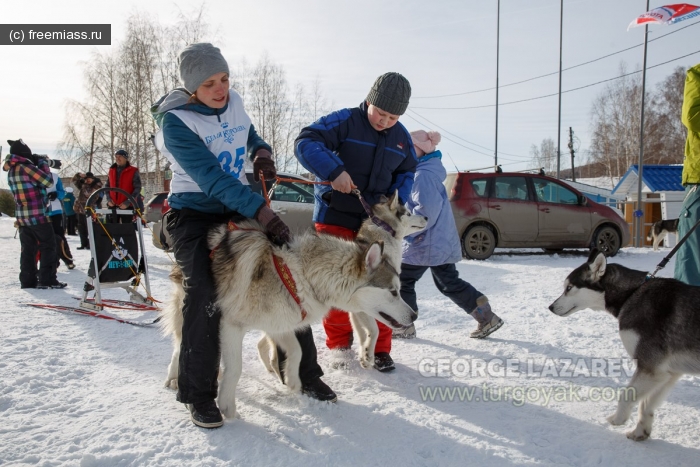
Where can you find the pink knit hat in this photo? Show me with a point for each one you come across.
(425, 141)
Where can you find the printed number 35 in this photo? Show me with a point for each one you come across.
(231, 165)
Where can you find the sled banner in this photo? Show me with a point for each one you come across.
(117, 263)
(667, 14)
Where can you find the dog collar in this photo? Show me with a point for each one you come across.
(375, 220)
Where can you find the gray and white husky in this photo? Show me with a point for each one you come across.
(397, 223)
(328, 272)
(659, 323)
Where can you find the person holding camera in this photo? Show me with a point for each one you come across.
(86, 183)
(29, 176)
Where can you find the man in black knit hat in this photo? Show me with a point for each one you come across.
(365, 148)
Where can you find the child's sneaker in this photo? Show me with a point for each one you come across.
(406, 333)
(487, 319)
(341, 358)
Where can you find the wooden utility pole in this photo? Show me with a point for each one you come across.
(571, 150)
(92, 148)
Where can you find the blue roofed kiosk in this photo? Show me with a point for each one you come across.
(662, 194)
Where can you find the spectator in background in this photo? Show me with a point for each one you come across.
(437, 247)
(28, 177)
(687, 267)
(55, 194)
(68, 211)
(125, 176)
(86, 183)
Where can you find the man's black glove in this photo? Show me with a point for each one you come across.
(52, 195)
(263, 161)
(277, 229)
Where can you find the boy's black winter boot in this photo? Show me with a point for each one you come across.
(206, 414)
(383, 362)
(317, 389)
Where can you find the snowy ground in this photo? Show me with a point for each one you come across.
(77, 390)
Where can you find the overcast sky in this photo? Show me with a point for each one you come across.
(443, 47)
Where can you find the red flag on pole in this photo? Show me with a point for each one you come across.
(667, 14)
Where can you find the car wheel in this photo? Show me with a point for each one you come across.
(479, 242)
(607, 241)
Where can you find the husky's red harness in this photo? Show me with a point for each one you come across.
(280, 266)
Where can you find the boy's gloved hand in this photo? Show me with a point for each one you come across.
(263, 161)
(274, 225)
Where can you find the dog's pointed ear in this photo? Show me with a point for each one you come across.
(394, 200)
(593, 254)
(373, 256)
(598, 266)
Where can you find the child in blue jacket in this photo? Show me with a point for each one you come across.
(437, 246)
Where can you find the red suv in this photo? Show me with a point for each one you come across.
(520, 210)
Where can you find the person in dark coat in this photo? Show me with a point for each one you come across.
(364, 148)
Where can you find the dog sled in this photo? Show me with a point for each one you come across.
(118, 254)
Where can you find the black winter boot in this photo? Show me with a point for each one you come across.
(206, 414)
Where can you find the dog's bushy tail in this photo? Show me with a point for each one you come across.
(171, 324)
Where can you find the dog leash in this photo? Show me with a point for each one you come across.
(375, 220)
(368, 209)
(665, 261)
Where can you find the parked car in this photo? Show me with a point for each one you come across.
(156, 206)
(520, 210)
(293, 201)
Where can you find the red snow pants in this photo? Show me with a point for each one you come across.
(337, 323)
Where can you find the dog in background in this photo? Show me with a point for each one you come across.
(660, 229)
(659, 326)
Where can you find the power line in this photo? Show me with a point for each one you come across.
(555, 94)
(434, 125)
(555, 72)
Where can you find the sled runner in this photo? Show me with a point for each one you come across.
(118, 255)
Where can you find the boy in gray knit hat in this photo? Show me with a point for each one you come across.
(364, 148)
(390, 92)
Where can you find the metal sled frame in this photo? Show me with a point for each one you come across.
(94, 283)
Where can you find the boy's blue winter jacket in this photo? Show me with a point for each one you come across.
(379, 162)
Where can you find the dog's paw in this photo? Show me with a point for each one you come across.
(616, 419)
(638, 434)
(367, 359)
(171, 383)
(228, 409)
(293, 383)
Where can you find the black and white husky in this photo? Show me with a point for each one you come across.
(659, 323)
(327, 272)
(660, 229)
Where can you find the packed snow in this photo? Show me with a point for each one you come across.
(78, 390)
